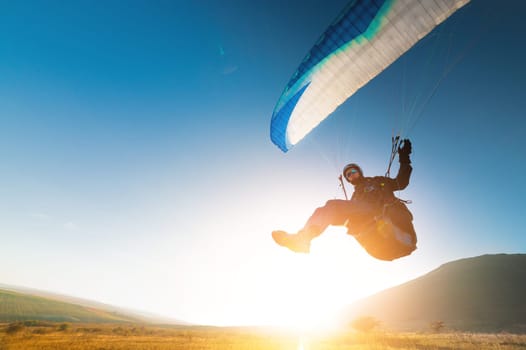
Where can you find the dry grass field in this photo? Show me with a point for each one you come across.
(52, 336)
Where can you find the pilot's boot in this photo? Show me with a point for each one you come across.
(297, 242)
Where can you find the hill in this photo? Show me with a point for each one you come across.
(20, 307)
(20, 303)
(480, 294)
(121, 313)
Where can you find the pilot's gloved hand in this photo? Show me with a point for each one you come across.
(404, 151)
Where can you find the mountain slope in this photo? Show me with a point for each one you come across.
(20, 307)
(125, 314)
(485, 293)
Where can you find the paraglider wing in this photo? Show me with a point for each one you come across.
(366, 38)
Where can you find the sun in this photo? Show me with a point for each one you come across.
(309, 292)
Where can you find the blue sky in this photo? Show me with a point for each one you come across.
(136, 165)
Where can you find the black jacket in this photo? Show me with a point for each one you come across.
(379, 190)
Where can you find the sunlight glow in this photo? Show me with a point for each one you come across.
(300, 345)
(256, 282)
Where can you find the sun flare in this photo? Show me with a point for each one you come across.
(310, 291)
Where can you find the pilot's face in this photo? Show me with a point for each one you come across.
(352, 175)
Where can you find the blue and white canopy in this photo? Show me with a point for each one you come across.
(365, 39)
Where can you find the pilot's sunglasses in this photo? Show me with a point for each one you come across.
(350, 172)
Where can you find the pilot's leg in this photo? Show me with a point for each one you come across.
(335, 212)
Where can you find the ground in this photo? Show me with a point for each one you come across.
(58, 336)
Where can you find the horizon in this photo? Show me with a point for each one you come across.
(330, 325)
(138, 171)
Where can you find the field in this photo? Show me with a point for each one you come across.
(56, 336)
(18, 306)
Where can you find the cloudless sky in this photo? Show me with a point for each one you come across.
(136, 167)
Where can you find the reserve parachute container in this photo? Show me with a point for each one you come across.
(365, 39)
